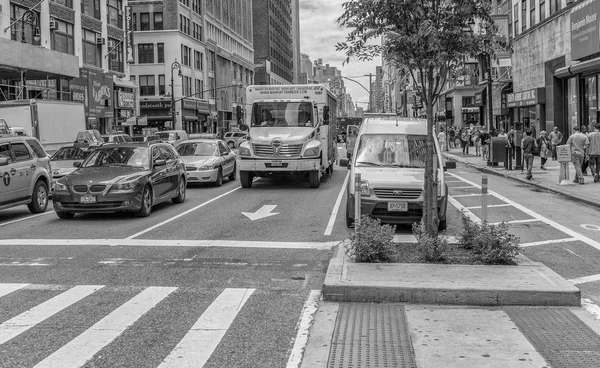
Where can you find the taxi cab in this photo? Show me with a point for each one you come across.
(25, 173)
(208, 161)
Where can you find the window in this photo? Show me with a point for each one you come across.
(554, 6)
(186, 87)
(211, 61)
(67, 3)
(516, 14)
(20, 152)
(211, 86)
(531, 13)
(115, 59)
(161, 84)
(197, 34)
(196, 6)
(184, 24)
(91, 8)
(160, 52)
(185, 2)
(114, 12)
(146, 53)
(92, 54)
(146, 85)
(198, 60)
(524, 15)
(144, 21)
(542, 10)
(62, 38)
(37, 148)
(158, 21)
(185, 55)
(134, 19)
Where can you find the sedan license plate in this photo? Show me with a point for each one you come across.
(276, 163)
(87, 199)
(397, 206)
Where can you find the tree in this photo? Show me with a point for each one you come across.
(428, 39)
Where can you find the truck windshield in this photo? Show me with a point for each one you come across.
(282, 114)
(392, 150)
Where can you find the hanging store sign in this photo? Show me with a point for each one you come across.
(584, 29)
(526, 98)
(128, 34)
(126, 99)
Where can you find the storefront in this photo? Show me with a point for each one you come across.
(471, 115)
(157, 113)
(94, 89)
(195, 115)
(526, 110)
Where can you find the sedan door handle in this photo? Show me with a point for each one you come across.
(13, 171)
(32, 167)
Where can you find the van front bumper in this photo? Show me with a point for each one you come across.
(282, 165)
(378, 208)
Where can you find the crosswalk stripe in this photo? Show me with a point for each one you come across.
(6, 289)
(198, 344)
(82, 348)
(30, 318)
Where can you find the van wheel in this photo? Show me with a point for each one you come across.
(39, 198)
(313, 179)
(349, 220)
(246, 178)
(65, 215)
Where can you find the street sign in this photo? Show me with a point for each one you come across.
(563, 153)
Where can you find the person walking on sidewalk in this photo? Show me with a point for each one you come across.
(556, 139)
(594, 153)
(585, 164)
(442, 139)
(578, 143)
(543, 145)
(528, 146)
(476, 141)
(451, 138)
(465, 139)
(484, 138)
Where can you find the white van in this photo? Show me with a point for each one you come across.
(390, 156)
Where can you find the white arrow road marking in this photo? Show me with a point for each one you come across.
(264, 211)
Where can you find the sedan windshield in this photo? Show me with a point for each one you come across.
(70, 154)
(198, 149)
(392, 150)
(119, 156)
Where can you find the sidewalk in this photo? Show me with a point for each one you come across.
(543, 179)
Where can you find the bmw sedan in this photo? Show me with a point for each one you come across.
(122, 177)
(208, 161)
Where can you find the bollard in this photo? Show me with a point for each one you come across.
(356, 200)
(484, 191)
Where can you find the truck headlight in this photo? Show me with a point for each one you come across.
(312, 152)
(364, 188)
(128, 186)
(244, 151)
(60, 187)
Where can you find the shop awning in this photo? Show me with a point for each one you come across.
(124, 83)
(576, 68)
(190, 118)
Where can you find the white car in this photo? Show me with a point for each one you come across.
(208, 161)
(233, 139)
(390, 157)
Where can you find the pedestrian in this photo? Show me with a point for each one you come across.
(594, 152)
(465, 140)
(451, 138)
(584, 165)
(511, 136)
(544, 148)
(528, 147)
(442, 139)
(556, 139)
(476, 141)
(578, 143)
(484, 138)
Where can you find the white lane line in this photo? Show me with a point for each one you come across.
(202, 339)
(172, 243)
(83, 348)
(453, 181)
(336, 207)
(467, 195)
(584, 279)
(544, 242)
(26, 320)
(6, 289)
(516, 221)
(306, 320)
(27, 218)
(182, 214)
(591, 307)
(489, 206)
(468, 187)
(459, 207)
(531, 213)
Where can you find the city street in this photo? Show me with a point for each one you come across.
(238, 270)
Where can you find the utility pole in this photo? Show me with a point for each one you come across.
(370, 75)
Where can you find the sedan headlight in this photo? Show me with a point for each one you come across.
(312, 152)
(206, 167)
(128, 186)
(60, 187)
(364, 188)
(244, 151)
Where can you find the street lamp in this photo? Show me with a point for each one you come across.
(365, 88)
(174, 66)
(30, 17)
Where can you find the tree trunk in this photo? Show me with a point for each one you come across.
(430, 195)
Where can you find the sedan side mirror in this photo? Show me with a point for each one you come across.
(160, 162)
(77, 164)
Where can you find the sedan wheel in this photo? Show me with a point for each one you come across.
(219, 180)
(180, 192)
(146, 203)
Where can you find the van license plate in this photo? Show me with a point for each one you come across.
(397, 206)
(276, 163)
(87, 199)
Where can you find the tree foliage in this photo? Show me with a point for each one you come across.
(426, 39)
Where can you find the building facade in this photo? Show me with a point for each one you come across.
(71, 51)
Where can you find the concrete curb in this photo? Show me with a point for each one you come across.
(486, 170)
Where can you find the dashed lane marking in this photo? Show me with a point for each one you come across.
(516, 221)
(172, 243)
(552, 241)
(27, 218)
(6, 289)
(531, 213)
(336, 207)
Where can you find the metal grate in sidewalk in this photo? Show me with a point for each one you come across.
(371, 335)
(560, 337)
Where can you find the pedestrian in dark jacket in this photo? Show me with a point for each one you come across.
(528, 146)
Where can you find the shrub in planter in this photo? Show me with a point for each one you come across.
(371, 242)
(432, 249)
(470, 231)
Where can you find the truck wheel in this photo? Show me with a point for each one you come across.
(349, 220)
(246, 178)
(39, 198)
(313, 179)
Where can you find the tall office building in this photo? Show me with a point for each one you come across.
(273, 45)
(296, 40)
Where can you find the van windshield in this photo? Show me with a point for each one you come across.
(392, 150)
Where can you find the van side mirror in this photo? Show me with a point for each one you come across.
(345, 162)
(450, 165)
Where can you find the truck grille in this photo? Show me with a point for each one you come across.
(287, 150)
(397, 193)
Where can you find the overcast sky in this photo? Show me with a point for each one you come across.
(319, 33)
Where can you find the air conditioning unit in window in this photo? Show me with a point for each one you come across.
(53, 24)
(100, 40)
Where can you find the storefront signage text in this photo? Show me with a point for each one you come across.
(525, 98)
(479, 98)
(128, 34)
(155, 105)
(196, 105)
(584, 29)
(126, 99)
